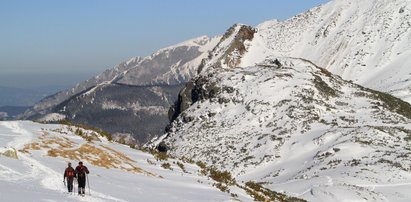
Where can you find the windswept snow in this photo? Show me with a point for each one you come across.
(52, 117)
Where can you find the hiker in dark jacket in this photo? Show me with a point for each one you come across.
(81, 172)
(69, 173)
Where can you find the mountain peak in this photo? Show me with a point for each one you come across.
(228, 52)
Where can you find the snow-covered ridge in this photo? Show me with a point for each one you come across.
(295, 127)
(368, 42)
(173, 65)
(199, 41)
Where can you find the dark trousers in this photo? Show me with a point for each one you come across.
(81, 184)
(70, 184)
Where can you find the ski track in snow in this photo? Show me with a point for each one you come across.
(35, 176)
(6, 171)
(50, 179)
(22, 136)
(373, 186)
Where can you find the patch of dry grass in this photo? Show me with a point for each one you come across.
(32, 146)
(96, 155)
(118, 154)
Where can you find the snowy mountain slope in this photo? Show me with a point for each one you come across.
(172, 65)
(295, 127)
(117, 173)
(133, 98)
(368, 42)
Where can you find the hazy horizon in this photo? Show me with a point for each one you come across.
(43, 80)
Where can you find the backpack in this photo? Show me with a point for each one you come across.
(80, 171)
(69, 172)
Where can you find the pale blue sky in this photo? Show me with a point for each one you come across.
(85, 37)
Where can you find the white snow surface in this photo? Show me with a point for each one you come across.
(368, 42)
(37, 176)
(172, 65)
(52, 117)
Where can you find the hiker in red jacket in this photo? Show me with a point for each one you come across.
(81, 172)
(69, 173)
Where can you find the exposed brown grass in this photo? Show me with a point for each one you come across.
(118, 154)
(62, 143)
(32, 146)
(96, 155)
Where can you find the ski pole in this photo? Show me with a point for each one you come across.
(88, 184)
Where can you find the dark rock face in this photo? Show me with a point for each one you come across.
(232, 55)
(183, 102)
(245, 33)
(162, 147)
(193, 92)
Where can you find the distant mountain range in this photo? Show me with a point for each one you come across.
(134, 97)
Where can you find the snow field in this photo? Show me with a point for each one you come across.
(37, 176)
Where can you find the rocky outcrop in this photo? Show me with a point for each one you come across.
(227, 54)
(233, 53)
(9, 152)
(231, 47)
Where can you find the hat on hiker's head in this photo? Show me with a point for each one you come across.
(80, 162)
